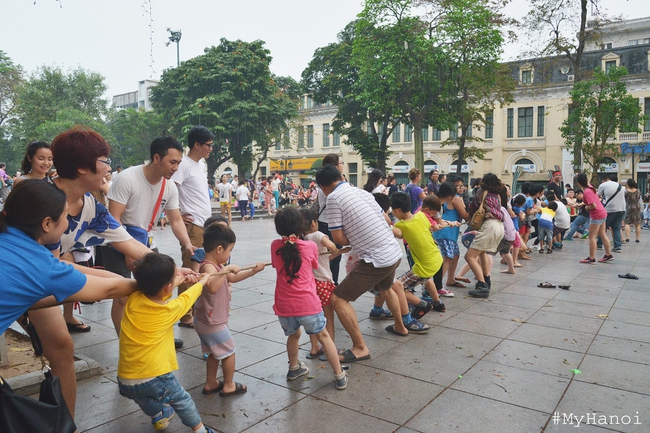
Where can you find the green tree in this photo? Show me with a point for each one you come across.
(134, 130)
(331, 76)
(230, 90)
(11, 77)
(52, 101)
(602, 107)
(470, 35)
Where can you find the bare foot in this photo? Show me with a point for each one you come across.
(507, 271)
(518, 265)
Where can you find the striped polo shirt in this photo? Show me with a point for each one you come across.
(356, 212)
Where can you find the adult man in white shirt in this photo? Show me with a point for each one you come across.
(613, 195)
(131, 201)
(194, 199)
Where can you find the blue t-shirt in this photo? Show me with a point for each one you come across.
(30, 274)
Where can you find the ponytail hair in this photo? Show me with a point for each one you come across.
(26, 165)
(29, 203)
(290, 224)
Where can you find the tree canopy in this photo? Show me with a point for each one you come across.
(133, 131)
(602, 107)
(230, 90)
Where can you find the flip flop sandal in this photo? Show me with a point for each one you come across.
(628, 276)
(315, 355)
(546, 285)
(213, 391)
(239, 389)
(392, 330)
(349, 356)
(564, 286)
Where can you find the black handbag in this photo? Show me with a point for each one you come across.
(48, 414)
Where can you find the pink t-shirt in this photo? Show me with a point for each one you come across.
(298, 298)
(590, 197)
(213, 308)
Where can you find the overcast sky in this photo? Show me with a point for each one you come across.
(113, 37)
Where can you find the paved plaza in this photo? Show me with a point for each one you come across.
(511, 363)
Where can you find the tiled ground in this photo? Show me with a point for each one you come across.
(503, 364)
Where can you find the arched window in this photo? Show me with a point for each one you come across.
(526, 164)
(464, 171)
(401, 172)
(428, 166)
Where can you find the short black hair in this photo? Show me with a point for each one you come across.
(550, 196)
(214, 219)
(218, 235)
(327, 175)
(431, 202)
(401, 201)
(552, 206)
(153, 272)
(198, 134)
(161, 145)
(447, 189)
(382, 200)
(525, 188)
(519, 200)
(535, 189)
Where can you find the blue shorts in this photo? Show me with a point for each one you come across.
(448, 248)
(597, 222)
(313, 324)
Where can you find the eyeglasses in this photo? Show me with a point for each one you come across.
(210, 145)
(107, 161)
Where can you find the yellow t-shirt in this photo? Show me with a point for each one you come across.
(147, 334)
(424, 250)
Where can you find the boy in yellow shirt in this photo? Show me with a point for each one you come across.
(147, 354)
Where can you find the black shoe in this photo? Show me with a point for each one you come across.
(488, 282)
(178, 343)
(481, 291)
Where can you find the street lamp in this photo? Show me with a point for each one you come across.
(175, 36)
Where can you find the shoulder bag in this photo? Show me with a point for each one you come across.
(477, 219)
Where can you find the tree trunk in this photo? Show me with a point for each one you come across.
(418, 144)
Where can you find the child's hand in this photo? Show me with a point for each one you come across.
(259, 267)
(344, 250)
(234, 269)
(178, 280)
(205, 278)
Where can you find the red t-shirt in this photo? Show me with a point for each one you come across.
(589, 197)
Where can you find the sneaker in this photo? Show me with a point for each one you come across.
(161, 421)
(588, 260)
(425, 296)
(383, 315)
(606, 259)
(558, 246)
(481, 291)
(446, 293)
(568, 239)
(616, 250)
(585, 235)
(341, 383)
(178, 343)
(417, 327)
(440, 307)
(295, 372)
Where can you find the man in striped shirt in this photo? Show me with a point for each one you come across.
(355, 219)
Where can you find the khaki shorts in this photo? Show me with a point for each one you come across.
(366, 277)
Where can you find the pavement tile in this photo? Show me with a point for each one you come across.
(548, 317)
(629, 316)
(602, 401)
(537, 358)
(614, 373)
(552, 337)
(493, 417)
(619, 348)
(480, 325)
(632, 304)
(512, 385)
(517, 300)
(627, 331)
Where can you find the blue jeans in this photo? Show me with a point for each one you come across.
(614, 221)
(576, 226)
(154, 395)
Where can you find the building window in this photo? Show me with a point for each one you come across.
(301, 137)
(336, 139)
(606, 46)
(326, 134)
(436, 135)
(526, 77)
(287, 140)
(633, 42)
(468, 131)
(489, 125)
(408, 134)
(310, 136)
(646, 127)
(310, 102)
(540, 121)
(352, 167)
(396, 134)
(646, 40)
(425, 134)
(609, 65)
(525, 122)
(511, 115)
(453, 133)
(263, 171)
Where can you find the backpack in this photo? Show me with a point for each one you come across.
(414, 203)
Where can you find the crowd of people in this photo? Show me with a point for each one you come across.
(68, 224)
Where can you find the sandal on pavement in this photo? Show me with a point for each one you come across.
(79, 327)
(349, 356)
(628, 276)
(564, 286)
(546, 285)
(391, 330)
(315, 355)
(239, 389)
(417, 327)
(214, 390)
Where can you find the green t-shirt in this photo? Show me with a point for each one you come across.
(424, 250)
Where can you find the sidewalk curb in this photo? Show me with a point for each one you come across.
(30, 383)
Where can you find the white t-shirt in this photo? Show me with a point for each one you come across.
(192, 183)
(562, 217)
(242, 193)
(608, 190)
(132, 189)
(323, 272)
(225, 190)
(275, 184)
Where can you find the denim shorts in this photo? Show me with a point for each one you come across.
(313, 324)
(597, 222)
